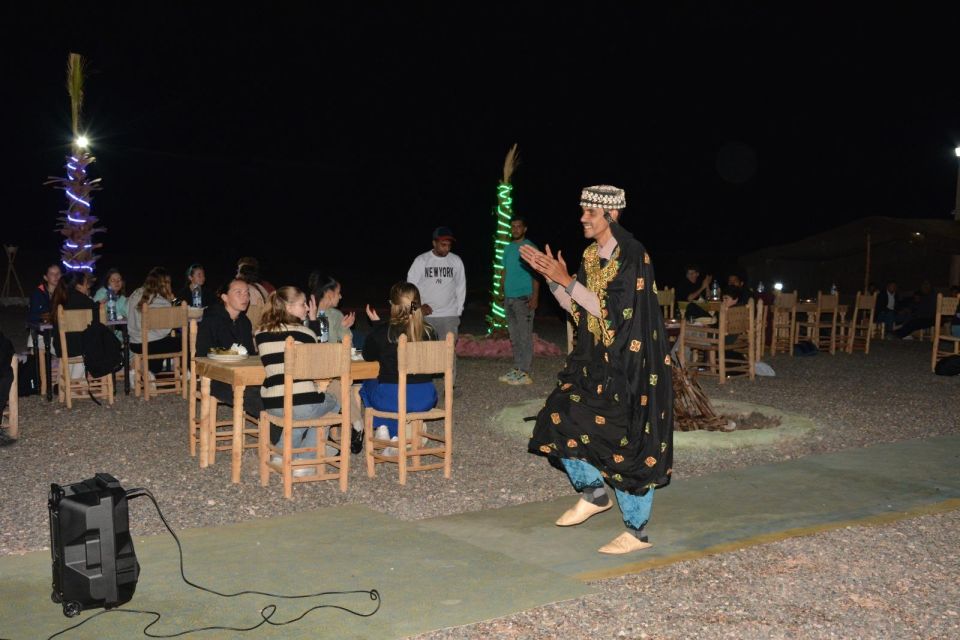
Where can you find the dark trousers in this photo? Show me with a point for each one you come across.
(168, 344)
(913, 325)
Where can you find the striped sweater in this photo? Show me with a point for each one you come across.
(270, 345)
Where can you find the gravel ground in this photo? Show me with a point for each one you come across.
(897, 580)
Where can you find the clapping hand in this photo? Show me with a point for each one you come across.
(349, 319)
(544, 263)
(312, 308)
(372, 314)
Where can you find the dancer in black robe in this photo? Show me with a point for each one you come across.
(610, 419)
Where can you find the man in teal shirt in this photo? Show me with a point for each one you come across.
(521, 292)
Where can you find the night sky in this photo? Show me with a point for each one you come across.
(338, 136)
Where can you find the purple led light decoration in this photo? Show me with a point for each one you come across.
(77, 224)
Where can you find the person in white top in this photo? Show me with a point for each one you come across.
(440, 277)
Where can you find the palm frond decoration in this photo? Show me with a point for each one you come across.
(497, 318)
(75, 64)
(510, 163)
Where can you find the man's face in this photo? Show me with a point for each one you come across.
(692, 275)
(517, 229)
(594, 224)
(52, 277)
(734, 281)
(237, 297)
(442, 246)
(198, 278)
(892, 287)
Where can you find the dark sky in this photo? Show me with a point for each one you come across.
(339, 135)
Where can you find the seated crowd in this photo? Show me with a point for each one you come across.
(309, 316)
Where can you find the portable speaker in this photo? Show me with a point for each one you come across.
(94, 564)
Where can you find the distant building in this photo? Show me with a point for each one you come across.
(907, 251)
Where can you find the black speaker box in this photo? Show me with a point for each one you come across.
(94, 564)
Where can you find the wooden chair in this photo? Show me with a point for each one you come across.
(784, 333)
(946, 307)
(154, 319)
(710, 342)
(194, 423)
(815, 325)
(310, 362)
(760, 326)
(12, 411)
(859, 327)
(429, 357)
(666, 299)
(254, 314)
(70, 321)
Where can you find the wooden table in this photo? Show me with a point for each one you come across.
(240, 375)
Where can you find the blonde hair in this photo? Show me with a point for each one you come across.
(156, 285)
(406, 316)
(276, 314)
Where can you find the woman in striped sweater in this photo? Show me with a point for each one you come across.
(284, 316)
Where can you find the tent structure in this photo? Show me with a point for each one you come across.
(874, 249)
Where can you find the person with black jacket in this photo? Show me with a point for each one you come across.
(194, 291)
(224, 325)
(76, 295)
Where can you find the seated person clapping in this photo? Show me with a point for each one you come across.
(406, 318)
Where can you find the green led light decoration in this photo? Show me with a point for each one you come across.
(77, 225)
(497, 318)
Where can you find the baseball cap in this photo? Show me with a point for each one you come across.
(443, 233)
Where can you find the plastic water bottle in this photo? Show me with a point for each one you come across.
(759, 287)
(111, 305)
(197, 298)
(324, 326)
(714, 291)
(833, 289)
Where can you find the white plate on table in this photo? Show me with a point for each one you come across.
(226, 357)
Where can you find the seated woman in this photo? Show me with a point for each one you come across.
(284, 316)
(326, 292)
(194, 291)
(406, 318)
(156, 293)
(39, 310)
(224, 325)
(75, 295)
(113, 282)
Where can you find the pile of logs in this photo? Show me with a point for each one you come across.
(692, 410)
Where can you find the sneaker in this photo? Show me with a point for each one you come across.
(522, 378)
(391, 451)
(356, 441)
(275, 459)
(907, 338)
(509, 376)
(381, 433)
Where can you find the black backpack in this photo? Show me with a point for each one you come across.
(949, 366)
(102, 352)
